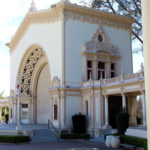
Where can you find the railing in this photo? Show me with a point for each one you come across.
(115, 80)
(54, 129)
(104, 82)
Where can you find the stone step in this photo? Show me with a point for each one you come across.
(43, 135)
(101, 137)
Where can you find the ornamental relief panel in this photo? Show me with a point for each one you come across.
(100, 44)
(26, 78)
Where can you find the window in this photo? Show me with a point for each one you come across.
(112, 70)
(101, 70)
(24, 105)
(55, 112)
(86, 108)
(100, 38)
(89, 69)
(24, 114)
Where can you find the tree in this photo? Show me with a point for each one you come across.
(1, 95)
(131, 8)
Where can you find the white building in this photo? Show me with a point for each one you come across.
(73, 59)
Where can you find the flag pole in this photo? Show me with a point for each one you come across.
(18, 127)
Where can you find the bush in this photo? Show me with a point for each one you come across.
(79, 123)
(14, 138)
(122, 121)
(140, 142)
(75, 136)
(6, 118)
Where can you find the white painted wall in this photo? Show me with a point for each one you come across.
(73, 106)
(48, 36)
(78, 32)
(121, 38)
(43, 100)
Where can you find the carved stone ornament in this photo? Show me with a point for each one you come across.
(55, 82)
(101, 47)
(26, 79)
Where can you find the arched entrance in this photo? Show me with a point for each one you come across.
(34, 84)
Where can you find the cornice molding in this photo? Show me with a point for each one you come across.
(70, 11)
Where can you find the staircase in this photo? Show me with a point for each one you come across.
(43, 135)
(101, 137)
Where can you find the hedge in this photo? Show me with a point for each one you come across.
(75, 136)
(14, 138)
(139, 142)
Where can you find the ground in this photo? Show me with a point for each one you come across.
(67, 145)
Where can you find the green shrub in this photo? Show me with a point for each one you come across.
(140, 142)
(75, 136)
(6, 118)
(79, 123)
(122, 121)
(14, 138)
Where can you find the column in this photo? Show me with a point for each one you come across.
(14, 114)
(143, 109)
(62, 110)
(59, 111)
(94, 70)
(106, 111)
(123, 101)
(146, 33)
(107, 70)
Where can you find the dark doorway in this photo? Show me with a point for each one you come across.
(115, 105)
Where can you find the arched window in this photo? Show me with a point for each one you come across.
(55, 112)
(100, 38)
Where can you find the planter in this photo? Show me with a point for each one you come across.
(115, 141)
(108, 140)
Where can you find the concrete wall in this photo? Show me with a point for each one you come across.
(48, 37)
(78, 32)
(73, 106)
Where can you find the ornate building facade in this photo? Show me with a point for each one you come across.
(73, 59)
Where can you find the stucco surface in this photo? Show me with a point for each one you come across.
(73, 106)
(121, 38)
(43, 100)
(48, 37)
(76, 34)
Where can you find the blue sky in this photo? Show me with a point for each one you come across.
(11, 15)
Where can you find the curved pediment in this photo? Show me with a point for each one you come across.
(100, 43)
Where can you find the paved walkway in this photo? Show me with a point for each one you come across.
(72, 145)
(24, 127)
